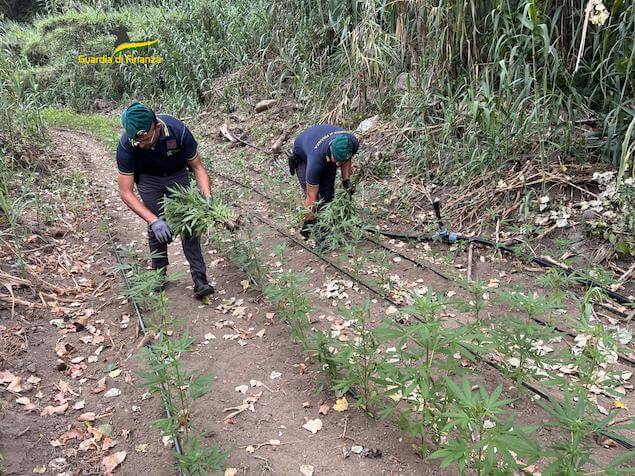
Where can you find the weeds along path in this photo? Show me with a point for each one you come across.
(276, 188)
(463, 289)
(237, 339)
(71, 403)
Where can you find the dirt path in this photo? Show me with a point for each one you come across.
(286, 401)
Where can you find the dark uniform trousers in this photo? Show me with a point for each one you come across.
(153, 189)
(327, 182)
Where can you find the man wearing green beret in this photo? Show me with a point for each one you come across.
(155, 153)
(317, 154)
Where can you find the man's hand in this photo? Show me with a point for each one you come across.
(307, 227)
(347, 185)
(161, 230)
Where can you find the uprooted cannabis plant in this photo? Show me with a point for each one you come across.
(190, 214)
(339, 223)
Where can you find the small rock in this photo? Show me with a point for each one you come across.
(307, 469)
(265, 104)
(367, 124)
(357, 449)
(31, 368)
(405, 82)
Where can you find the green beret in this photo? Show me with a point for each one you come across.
(135, 118)
(341, 148)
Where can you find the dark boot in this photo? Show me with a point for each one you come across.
(201, 287)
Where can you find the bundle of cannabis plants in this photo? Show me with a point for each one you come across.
(189, 214)
(339, 223)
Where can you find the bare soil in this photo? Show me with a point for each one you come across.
(240, 343)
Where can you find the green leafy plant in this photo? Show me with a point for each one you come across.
(189, 214)
(413, 370)
(573, 454)
(177, 387)
(292, 303)
(525, 348)
(479, 438)
(360, 356)
(339, 223)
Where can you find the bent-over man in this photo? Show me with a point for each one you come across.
(155, 153)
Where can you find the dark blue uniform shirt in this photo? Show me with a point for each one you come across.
(312, 146)
(175, 147)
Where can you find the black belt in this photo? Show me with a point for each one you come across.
(163, 174)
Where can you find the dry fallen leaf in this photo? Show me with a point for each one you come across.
(6, 376)
(231, 471)
(341, 405)
(87, 444)
(245, 284)
(51, 410)
(141, 448)
(313, 425)
(26, 401)
(110, 462)
(16, 385)
(619, 404)
(306, 405)
(101, 386)
(113, 392)
(39, 469)
(115, 373)
(324, 408)
(88, 416)
(71, 434)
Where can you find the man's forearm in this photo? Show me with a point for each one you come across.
(203, 182)
(137, 206)
(346, 170)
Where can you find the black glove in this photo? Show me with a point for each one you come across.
(161, 230)
(307, 227)
(348, 186)
(293, 161)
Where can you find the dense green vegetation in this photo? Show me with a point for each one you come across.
(470, 87)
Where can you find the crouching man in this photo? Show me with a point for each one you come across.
(317, 154)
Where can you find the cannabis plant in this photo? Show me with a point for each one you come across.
(189, 214)
(480, 439)
(339, 223)
(292, 303)
(359, 358)
(572, 454)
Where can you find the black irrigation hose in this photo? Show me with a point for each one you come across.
(620, 298)
(537, 391)
(113, 247)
